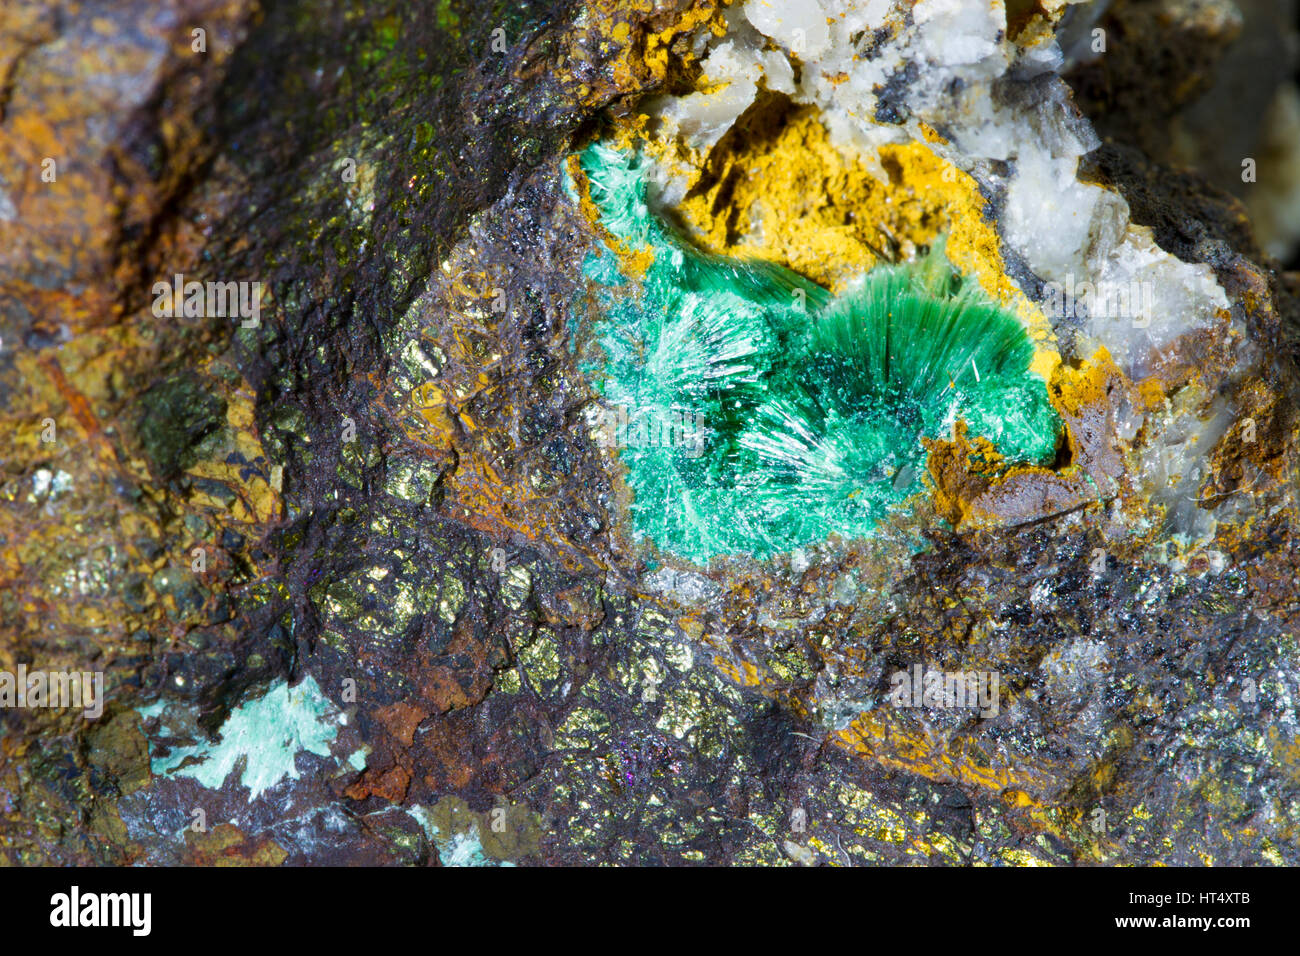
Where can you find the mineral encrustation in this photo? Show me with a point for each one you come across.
(813, 432)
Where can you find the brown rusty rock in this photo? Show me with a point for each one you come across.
(226, 845)
(401, 719)
(89, 176)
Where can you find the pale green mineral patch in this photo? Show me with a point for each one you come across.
(263, 737)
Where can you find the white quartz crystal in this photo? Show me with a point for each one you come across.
(702, 118)
(798, 25)
(779, 73)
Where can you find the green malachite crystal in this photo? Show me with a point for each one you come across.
(757, 413)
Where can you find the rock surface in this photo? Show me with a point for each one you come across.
(359, 575)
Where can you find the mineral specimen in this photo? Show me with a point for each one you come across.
(756, 432)
(810, 416)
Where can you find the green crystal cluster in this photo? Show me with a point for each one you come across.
(811, 408)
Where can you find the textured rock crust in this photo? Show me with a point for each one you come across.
(397, 497)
